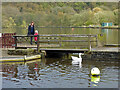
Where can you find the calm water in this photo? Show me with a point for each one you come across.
(105, 36)
(59, 73)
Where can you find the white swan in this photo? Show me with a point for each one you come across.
(77, 60)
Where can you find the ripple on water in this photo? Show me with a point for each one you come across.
(18, 83)
(60, 65)
(51, 65)
(14, 79)
(30, 78)
(62, 73)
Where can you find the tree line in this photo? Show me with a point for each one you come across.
(46, 14)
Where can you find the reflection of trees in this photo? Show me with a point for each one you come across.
(33, 70)
(11, 70)
(109, 36)
(21, 71)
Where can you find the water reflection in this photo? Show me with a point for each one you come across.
(78, 65)
(110, 36)
(59, 72)
(95, 80)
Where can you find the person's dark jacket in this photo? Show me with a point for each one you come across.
(29, 30)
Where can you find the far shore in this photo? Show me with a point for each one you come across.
(90, 26)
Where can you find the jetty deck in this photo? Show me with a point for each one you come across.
(57, 42)
(63, 43)
(53, 47)
(106, 49)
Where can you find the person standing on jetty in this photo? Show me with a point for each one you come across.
(31, 30)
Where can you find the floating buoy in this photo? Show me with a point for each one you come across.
(95, 79)
(95, 71)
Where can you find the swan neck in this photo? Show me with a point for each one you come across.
(79, 56)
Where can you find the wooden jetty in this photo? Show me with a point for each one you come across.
(57, 42)
(64, 43)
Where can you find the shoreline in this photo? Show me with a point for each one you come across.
(110, 27)
(99, 27)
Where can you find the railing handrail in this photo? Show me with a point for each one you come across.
(25, 35)
(62, 35)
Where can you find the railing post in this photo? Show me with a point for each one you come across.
(37, 43)
(60, 41)
(89, 43)
(15, 42)
(96, 40)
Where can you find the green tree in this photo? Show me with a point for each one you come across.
(23, 24)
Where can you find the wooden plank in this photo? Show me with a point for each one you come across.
(35, 46)
(25, 35)
(66, 41)
(64, 50)
(76, 41)
(106, 49)
(62, 35)
(112, 45)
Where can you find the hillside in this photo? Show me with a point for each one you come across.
(59, 13)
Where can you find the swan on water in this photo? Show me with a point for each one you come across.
(77, 60)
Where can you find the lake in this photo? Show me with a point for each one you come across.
(105, 36)
(59, 72)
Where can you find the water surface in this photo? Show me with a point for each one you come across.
(105, 36)
(59, 73)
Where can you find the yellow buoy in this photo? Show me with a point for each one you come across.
(95, 71)
(95, 79)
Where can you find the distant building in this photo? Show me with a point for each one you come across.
(106, 24)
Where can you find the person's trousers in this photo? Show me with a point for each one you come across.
(31, 40)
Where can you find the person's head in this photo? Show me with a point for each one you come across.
(36, 31)
(32, 23)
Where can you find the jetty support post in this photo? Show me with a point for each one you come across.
(37, 43)
(15, 42)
